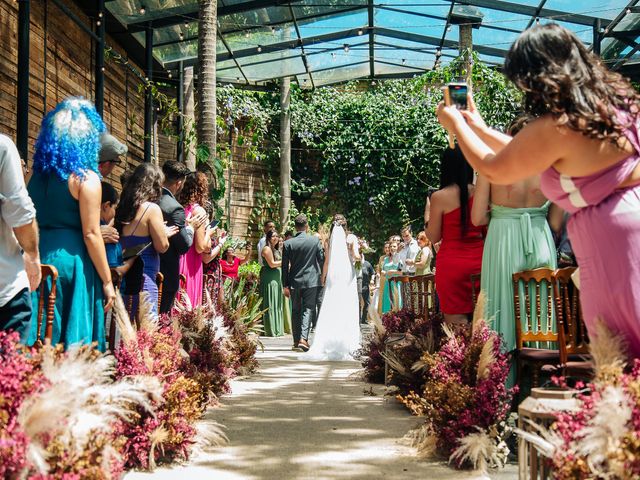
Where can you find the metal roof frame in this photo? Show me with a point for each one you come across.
(288, 15)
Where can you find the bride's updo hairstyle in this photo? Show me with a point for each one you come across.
(559, 76)
(339, 219)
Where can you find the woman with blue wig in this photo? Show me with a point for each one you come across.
(66, 192)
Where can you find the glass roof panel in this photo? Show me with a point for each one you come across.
(342, 74)
(276, 69)
(260, 36)
(310, 8)
(597, 8)
(408, 58)
(352, 43)
(177, 51)
(336, 58)
(410, 23)
(386, 69)
(130, 11)
(269, 56)
(333, 23)
(254, 18)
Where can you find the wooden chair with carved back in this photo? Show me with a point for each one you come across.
(49, 273)
(532, 321)
(159, 282)
(572, 332)
(425, 291)
(475, 287)
(116, 279)
(400, 292)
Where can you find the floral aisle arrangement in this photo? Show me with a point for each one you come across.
(167, 433)
(59, 410)
(205, 338)
(464, 400)
(600, 439)
(418, 335)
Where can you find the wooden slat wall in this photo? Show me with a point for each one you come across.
(70, 72)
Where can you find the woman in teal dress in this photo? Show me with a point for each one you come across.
(271, 287)
(518, 238)
(390, 267)
(66, 192)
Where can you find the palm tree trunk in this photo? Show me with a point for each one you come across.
(206, 91)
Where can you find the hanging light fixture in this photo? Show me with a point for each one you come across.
(333, 55)
(404, 61)
(360, 31)
(142, 10)
(181, 36)
(346, 48)
(259, 48)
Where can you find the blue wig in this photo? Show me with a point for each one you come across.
(69, 139)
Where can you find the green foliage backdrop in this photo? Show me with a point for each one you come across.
(380, 148)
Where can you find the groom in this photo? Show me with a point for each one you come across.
(302, 262)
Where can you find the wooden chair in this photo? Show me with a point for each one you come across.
(572, 332)
(159, 282)
(400, 292)
(475, 287)
(529, 324)
(425, 291)
(116, 279)
(48, 272)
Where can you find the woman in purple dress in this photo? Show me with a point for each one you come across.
(584, 142)
(140, 223)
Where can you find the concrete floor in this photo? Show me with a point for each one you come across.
(299, 420)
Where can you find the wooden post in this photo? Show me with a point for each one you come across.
(22, 127)
(189, 118)
(285, 150)
(466, 47)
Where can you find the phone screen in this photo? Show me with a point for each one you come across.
(458, 95)
(214, 223)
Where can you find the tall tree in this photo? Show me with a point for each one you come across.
(206, 91)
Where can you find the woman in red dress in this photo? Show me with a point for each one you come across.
(460, 254)
(230, 263)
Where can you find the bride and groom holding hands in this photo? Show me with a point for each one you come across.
(306, 268)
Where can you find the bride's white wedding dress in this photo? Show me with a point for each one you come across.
(337, 334)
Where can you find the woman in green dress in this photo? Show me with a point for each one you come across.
(271, 287)
(422, 261)
(518, 238)
(390, 268)
(66, 191)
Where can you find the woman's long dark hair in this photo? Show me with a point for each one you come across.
(454, 170)
(269, 236)
(144, 185)
(559, 76)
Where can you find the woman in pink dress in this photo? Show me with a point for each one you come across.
(585, 143)
(193, 195)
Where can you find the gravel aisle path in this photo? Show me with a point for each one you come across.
(298, 420)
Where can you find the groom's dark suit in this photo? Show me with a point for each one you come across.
(302, 262)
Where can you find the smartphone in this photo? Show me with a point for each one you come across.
(458, 95)
(214, 223)
(135, 251)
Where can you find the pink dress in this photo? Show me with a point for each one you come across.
(191, 268)
(604, 230)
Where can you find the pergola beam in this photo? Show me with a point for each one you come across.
(192, 15)
(534, 11)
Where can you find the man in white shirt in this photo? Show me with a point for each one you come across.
(19, 252)
(409, 252)
(267, 227)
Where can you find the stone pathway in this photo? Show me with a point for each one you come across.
(299, 420)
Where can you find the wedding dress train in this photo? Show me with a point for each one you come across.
(337, 334)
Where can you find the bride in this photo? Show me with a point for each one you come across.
(337, 334)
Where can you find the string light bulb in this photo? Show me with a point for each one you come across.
(273, 29)
(259, 48)
(346, 48)
(404, 61)
(142, 10)
(438, 53)
(170, 75)
(360, 31)
(333, 55)
(181, 36)
(100, 14)
(537, 21)
(448, 28)
(98, 23)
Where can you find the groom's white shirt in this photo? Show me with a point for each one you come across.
(409, 252)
